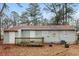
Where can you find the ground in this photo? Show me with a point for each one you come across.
(55, 50)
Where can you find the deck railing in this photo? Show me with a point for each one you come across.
(29, 40)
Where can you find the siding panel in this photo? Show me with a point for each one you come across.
(68, 36)
(6, 37)
(11, 37)
(25, 33)
(38, 33)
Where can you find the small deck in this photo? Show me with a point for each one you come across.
(29, 41)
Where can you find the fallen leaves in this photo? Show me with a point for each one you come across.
(13, 50)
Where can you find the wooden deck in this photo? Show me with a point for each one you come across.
(30, 41)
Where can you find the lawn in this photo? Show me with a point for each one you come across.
(55, 50)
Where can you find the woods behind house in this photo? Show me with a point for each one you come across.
(61, 13)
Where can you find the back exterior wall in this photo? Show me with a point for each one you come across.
(52, 36)
(49, 36)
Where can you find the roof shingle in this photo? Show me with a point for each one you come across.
(41, 27)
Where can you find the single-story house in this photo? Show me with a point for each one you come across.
(49, 33)
(1, 33)
(78, 34)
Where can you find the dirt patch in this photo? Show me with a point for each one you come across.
(55, 50)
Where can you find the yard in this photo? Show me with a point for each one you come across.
(55, 50)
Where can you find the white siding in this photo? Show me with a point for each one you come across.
(47, 37)
(6, 38)
(56, 36)
(19, 33)
(68, 36)
(11, 37)
(25, 33)
(51, 36)
(16, 34)
(38, 33)
(32, 33)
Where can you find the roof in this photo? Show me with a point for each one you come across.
(40, 27)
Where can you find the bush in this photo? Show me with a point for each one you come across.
(63, 42)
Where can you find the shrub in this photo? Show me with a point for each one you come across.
(63, 42)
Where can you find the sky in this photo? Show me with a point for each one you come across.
(15, 7)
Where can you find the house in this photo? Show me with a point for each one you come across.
(78, 34)
(1, 33)
(49, 33)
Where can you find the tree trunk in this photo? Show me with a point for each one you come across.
(66, 11)
(63, 14)
(1, 16)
